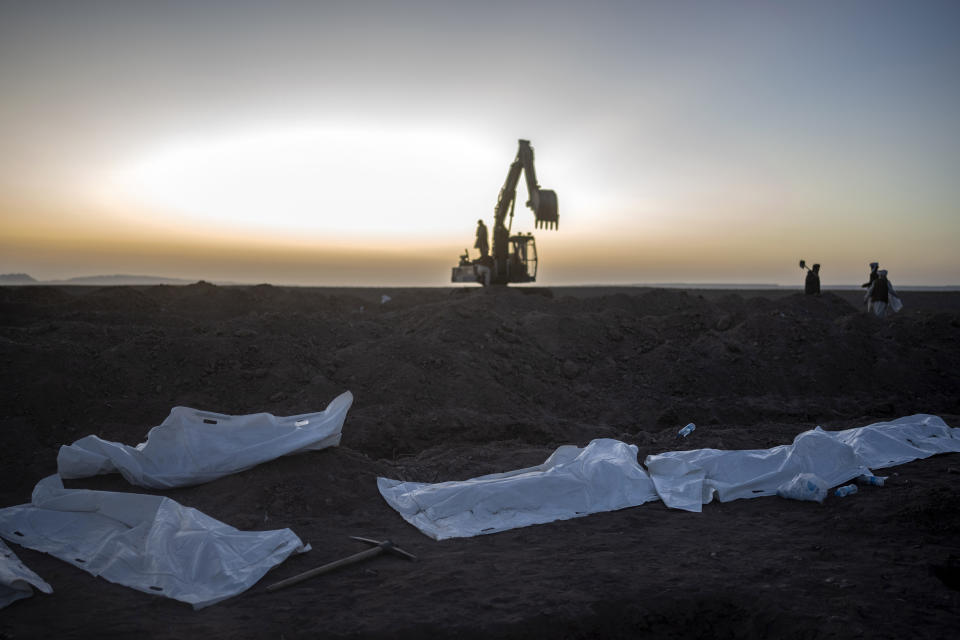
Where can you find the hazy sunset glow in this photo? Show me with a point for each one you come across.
(358, 142)
(351, 181)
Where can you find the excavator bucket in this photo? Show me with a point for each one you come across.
(546, 210)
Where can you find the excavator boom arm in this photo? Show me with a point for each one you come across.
(508, 193)
(543, 202)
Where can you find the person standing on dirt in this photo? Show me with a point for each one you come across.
(481, 242)
(869, 283)
(883, 298)
(812, 285)
(873, 275)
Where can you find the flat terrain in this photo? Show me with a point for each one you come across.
(454, 383)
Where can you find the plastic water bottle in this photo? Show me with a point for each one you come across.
(848, 490)
(876, 481)
(687, 430)
(805, 486)
(812, 488)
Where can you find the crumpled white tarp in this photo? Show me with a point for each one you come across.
(192, 447)
(689, 479)
(573, 482)
(148, 543)
(887, 444)
(16, 579)
(605, 476)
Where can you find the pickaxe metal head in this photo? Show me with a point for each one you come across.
(387, 545)
(379, 547)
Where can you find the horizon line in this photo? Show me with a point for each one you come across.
(146, 280)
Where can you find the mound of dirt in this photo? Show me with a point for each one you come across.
(455, 383)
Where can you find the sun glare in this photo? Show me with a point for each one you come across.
(315, 180)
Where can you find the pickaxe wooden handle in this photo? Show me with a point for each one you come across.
(381, 546)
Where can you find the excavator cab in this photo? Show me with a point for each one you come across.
(522, 262)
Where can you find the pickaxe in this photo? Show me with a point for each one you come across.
(379, 548)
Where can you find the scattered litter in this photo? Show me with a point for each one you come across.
(804, 486)
(384, 299)
(870, 479)
(687, 430)
(848, 490)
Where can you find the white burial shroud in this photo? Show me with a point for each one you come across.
(16, 579)
(148, 543)
(573, 482)
(605, 476)
(689, 479)
(192, 447)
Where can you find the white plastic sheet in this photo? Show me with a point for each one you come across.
(16, 579)
(605, 476)
(887, 444)
(572, 482)
(689, 479)
(149, 543)
(192, 447)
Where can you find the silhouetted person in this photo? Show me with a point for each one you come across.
(869, 283)
(481, 242)
(873, 275)
(883, 299)
(812, 285)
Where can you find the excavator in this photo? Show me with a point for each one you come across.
(513, 257)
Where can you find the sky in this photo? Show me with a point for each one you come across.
(357, 143)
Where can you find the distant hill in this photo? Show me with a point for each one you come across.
(16, 278)
(119, 279)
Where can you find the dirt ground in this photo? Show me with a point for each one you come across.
(454, 383)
